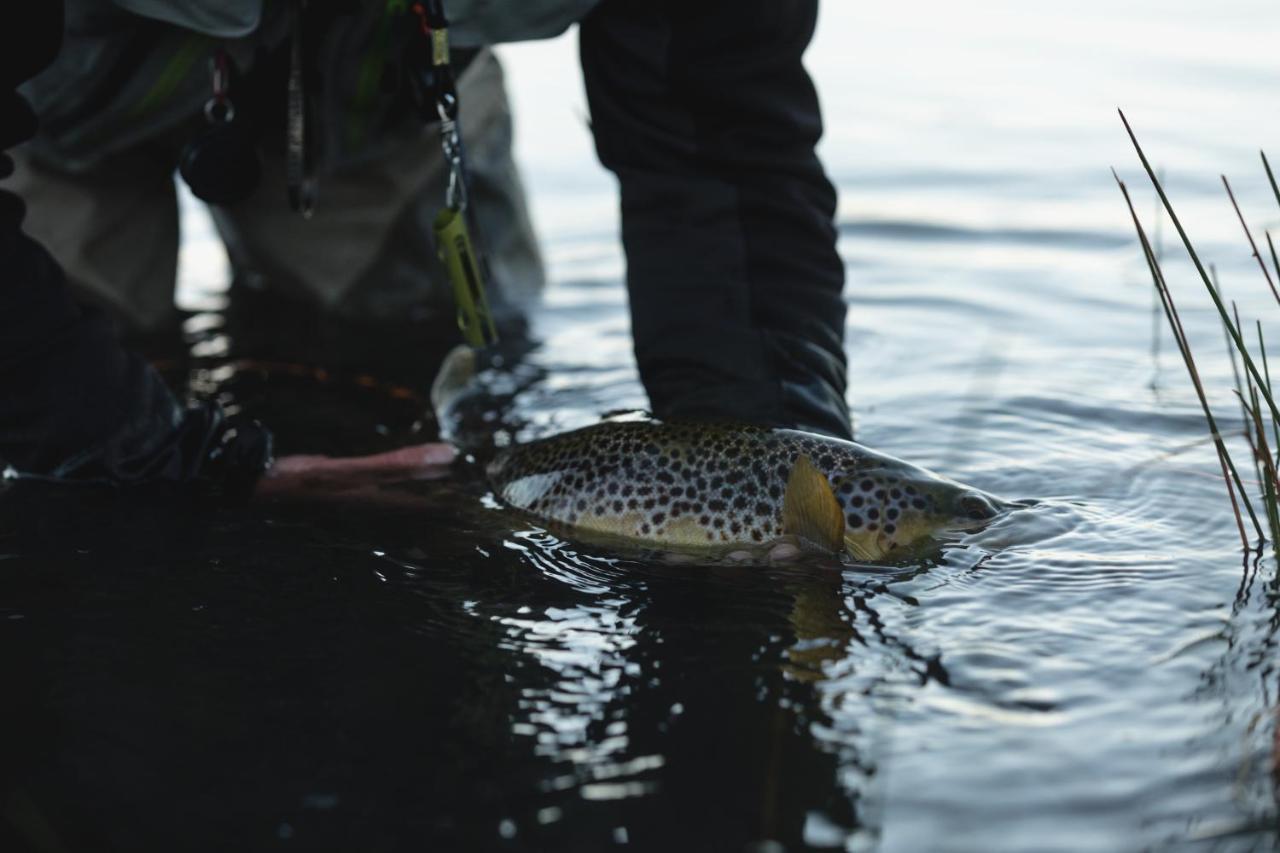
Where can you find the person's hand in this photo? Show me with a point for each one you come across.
(315, 476)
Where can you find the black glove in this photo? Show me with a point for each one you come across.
(76, 407)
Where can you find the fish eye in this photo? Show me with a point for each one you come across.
(977, 507)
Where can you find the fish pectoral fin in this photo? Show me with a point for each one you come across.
(451, 384)
(858, 550)
(810, 510)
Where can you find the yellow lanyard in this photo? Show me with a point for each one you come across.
(452, 234)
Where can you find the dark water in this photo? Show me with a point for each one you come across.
(409, 668)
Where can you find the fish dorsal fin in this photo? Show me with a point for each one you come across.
(810, 510)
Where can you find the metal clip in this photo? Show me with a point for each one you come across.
(436, 89)
(455, 194)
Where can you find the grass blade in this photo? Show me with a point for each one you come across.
(1270, 176)
(1231, 350)
(1263, 454)
(1275, 262)
(1266, 369)
(1229, 473)
(1204, 276)
(1262, 265)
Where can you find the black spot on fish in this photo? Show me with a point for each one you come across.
(854, 520)
(650, 503)
(895, 494)
(889, 528)
(866, 485)
(740, 502)
(755, 534)
(892, 513)
(659, 517)
(716, 505)
(736, 527)
(918, 503)
(873, 513)
(846, 488)
(856, 500)
(617, 506)
(872, 526)
(582, 505)
(664, 477)
(880, 494)
(763, 509)
(718, 523)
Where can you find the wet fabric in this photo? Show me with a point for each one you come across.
(705, 113)
(366, 252)
(225, 19)
(481, 22)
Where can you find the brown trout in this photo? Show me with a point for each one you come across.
(692, 486)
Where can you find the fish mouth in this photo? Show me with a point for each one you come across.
(977, 508)
(972, 511)
(975, 511)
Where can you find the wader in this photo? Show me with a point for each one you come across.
(702, 110)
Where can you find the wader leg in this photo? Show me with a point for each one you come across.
(368, 250)
(706, 115)
(114, 229)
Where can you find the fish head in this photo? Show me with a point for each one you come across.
(891, 509)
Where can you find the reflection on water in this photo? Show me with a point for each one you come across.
(1096, 671)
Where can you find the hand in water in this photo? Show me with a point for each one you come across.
(302, 476)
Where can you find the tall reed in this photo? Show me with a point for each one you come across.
(1257, 402)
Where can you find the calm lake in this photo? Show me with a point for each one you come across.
(425, 672)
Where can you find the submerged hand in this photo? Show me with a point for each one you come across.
(301, 475)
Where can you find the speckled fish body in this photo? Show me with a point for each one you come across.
(694, 486)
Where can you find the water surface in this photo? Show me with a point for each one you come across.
(417, 670)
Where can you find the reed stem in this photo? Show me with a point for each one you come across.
(1195, 259)
(1229, 473)
(1262, 265)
